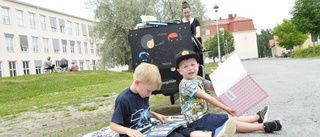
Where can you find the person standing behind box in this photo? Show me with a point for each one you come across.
(195, 24)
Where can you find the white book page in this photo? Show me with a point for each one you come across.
(228, 74)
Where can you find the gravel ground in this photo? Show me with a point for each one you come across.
(293, 86)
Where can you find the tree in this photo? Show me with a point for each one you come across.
(171, 9)
(264, 49)
(306, 16)
(288, 35)
(226, 46)
(116, 17)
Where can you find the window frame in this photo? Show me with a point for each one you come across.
(79, 47)
(6, 15)
(77, 28)
(86, 50)
(32, 20)
(20, 18)
(43, 22)
(35, 44)
(46, 47)
(26, 67)
(69, 27)
(9, 44)
(12, 68)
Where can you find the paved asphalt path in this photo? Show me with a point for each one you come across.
(293, 86)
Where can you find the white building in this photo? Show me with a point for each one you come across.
(29, 34)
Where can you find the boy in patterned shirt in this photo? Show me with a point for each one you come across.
(194, 101)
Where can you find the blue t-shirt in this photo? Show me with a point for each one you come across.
(131, 111)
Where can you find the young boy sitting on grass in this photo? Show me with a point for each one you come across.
(132, 111)
(194, 101)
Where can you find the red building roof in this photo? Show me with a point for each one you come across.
(232, 24)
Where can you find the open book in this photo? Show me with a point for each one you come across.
(235, 87)
(163, 130)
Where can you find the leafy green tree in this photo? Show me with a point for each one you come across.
(263, 38)
(116, 17)
(306, 16)
(226, 46)
(288, 35)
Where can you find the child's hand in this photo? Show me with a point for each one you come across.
(230, 111)
(134, 133)
(160, 117)
(212, 70)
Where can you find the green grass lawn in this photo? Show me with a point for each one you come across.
(23, 93)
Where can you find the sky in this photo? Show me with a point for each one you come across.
(264, 13)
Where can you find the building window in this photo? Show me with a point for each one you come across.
(57, 63)
(207, 32)
(12, 68)
(53, 22)
(5, 15)
(38, 64)
(79, 47)
(32, 18)
(86, 47)
(97, 48)
(84, 29)
(24, 42)
(70, 27)
(81, 65)
(88, 64)
(77, 29)
(26, 69)
(9, 42)
(38, 69)
(35, 44)
(71, 46)
(61, 22)
(46, 45)
(92, 49)
(0, 69)
(64, 46)
(94, 65)
(90, 30)
(56, 47)
(43, 22)
(20, 19)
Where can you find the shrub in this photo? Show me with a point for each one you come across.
(306, 53)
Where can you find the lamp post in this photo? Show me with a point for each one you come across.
(227, 48)
(224, 44)
(216, 10)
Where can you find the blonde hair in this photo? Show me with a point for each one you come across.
(148, 74)
(185, 5)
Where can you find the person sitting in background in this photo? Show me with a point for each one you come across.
(64, 64)
(58, 69)
(74, 67)
(48, 65)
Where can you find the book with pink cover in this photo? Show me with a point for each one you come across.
(235, 87)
